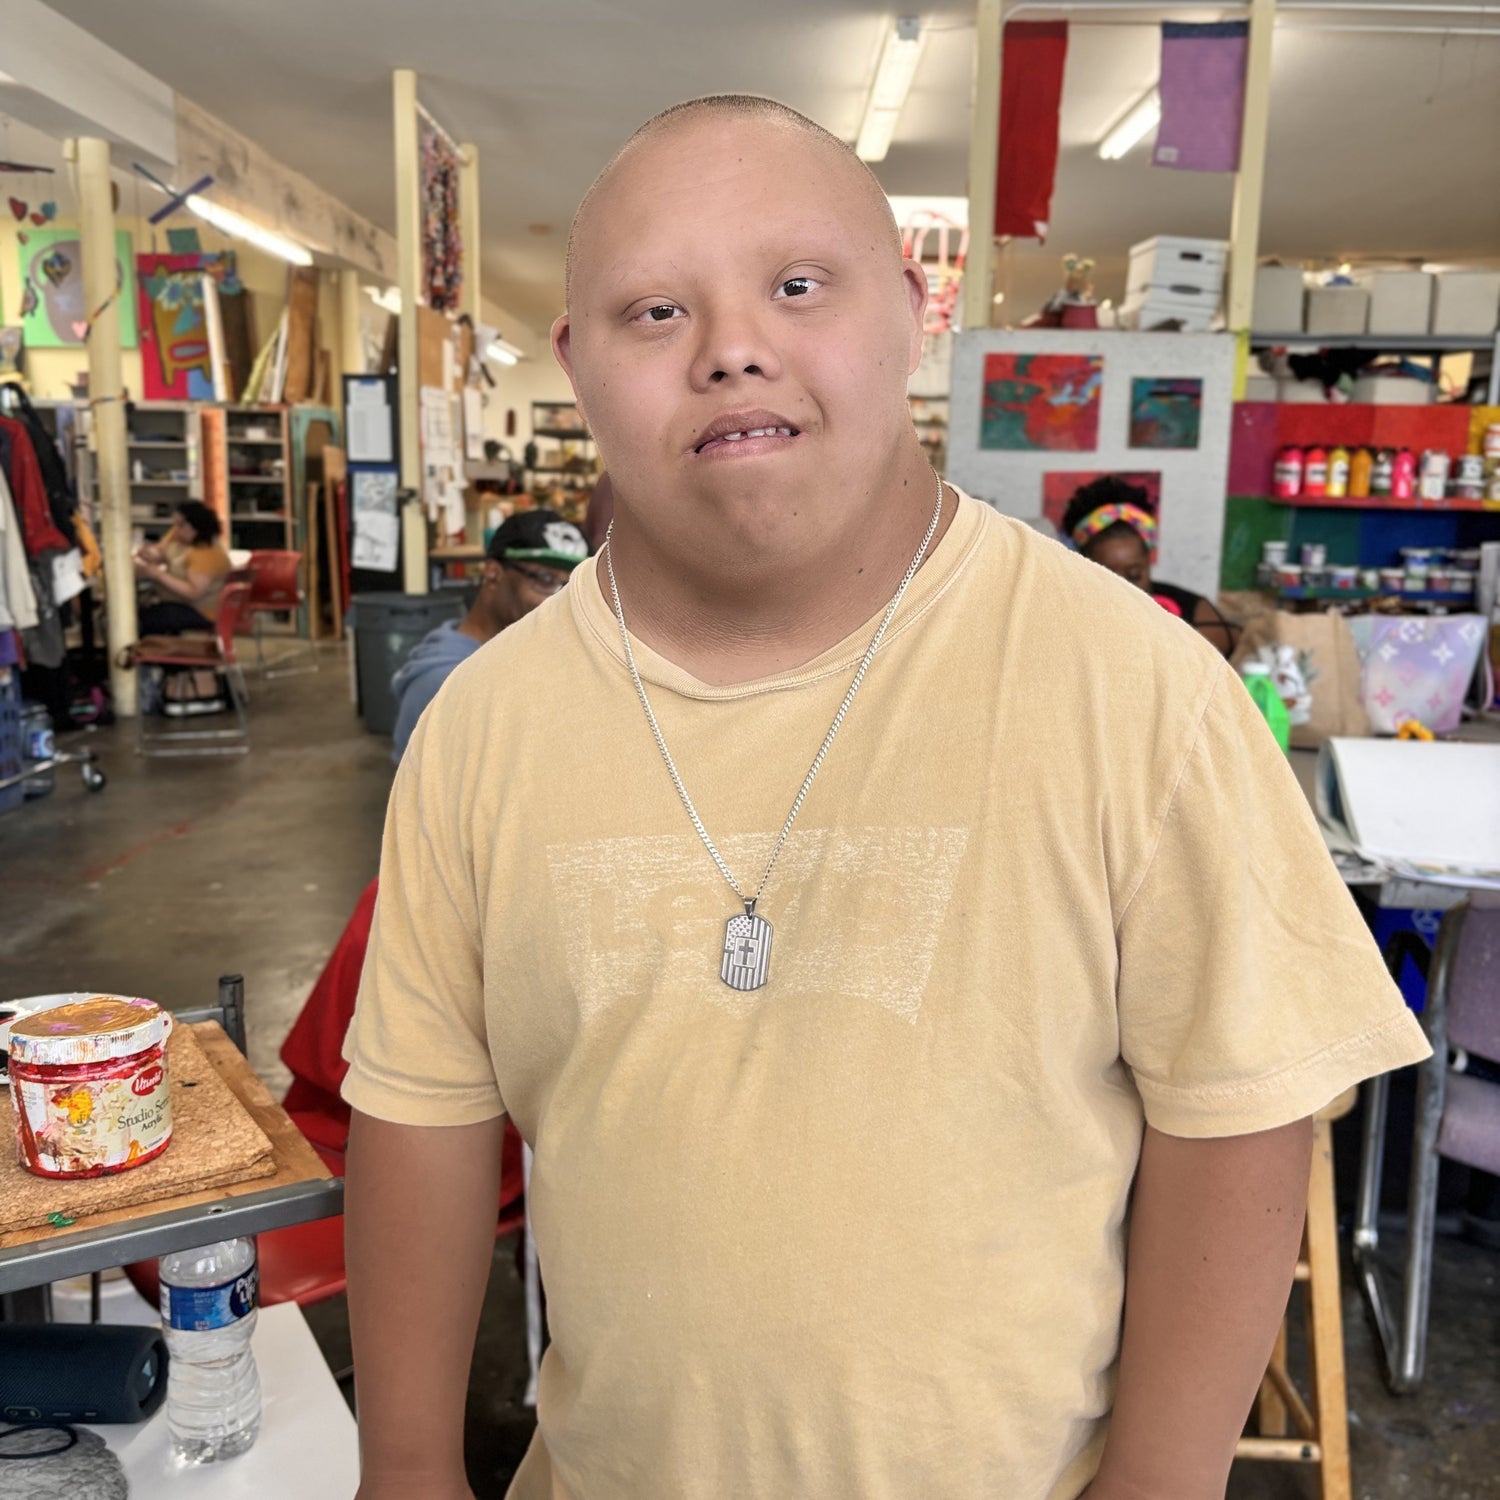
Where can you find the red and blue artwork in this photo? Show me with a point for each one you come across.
(1041, 402)
(176, 364)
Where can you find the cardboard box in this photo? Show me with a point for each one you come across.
(1400, 301)
(1466, 303)
(1280, 300)
(1338, 309)
(1176, 263)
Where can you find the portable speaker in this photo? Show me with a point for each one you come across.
(80, 1372)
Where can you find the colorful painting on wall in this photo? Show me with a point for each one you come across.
(1059, 486)
(1041, 402)
(1165, 413)
(53, 313)
(175, 360)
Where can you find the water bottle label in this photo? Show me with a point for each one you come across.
(201, 1309)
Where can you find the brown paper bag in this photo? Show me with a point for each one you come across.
(1330, 663)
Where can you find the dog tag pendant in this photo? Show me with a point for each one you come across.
(747, 951)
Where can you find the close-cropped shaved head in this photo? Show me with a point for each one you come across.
(750, 108)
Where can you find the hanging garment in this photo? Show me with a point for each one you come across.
(17, 597)
(62, 498)
(1032, 62)
(28, 490)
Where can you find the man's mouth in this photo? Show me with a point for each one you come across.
(724, 440)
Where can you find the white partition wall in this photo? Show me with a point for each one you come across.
(1193, 480)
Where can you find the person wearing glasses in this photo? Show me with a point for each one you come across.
(529, 559)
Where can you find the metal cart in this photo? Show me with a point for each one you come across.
(93, 777)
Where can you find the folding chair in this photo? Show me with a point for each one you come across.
(275, 589)
(200, 652)
(1457, 1116)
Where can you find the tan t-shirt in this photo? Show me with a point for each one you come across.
(859, 1233)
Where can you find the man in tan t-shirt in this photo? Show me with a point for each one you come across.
(965, 1152)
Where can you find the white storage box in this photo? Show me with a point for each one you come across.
(1148, 312)
(1260, 388)
(1171, 261)
(1400, 301)
(1338, 309)
(1301, 392)
(1466, 303)
(1393, 390)
(1280, 300)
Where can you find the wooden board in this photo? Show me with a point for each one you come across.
(290, 1160)
(301, 329)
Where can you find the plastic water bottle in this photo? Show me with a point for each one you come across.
(208, 1301)
(1268, 700)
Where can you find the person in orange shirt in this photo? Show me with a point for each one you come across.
(184, 573)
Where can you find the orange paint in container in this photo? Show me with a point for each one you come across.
(90, 1087)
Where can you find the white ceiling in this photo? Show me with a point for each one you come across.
(1383, 146)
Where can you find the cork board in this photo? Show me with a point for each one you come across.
(214, 1142)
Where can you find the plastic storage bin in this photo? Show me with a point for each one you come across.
(386, 627)
(12, 744)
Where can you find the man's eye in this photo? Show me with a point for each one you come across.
(798, 286)
(663, 312)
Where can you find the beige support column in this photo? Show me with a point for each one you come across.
(96, 215)
(1249, 182)
(984, 154)
(468, 225)
(350, 343)
(409, 278)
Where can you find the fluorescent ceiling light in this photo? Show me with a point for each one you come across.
(1133, 127)
(893, 76)
(502, 353)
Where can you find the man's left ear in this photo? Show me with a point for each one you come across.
(915, 280)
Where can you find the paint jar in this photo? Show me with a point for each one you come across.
(1274, 553)
(1314, 578)
(1404, 475)
(1416, 581)
(1432, 476)
(1463, 584)
(1289, 576)
(1286, 474)
(1345, 580)
(1489, 446)
(1393, 580)
(1314, 555)
(1419, 557)
(1440, 581)
(90, 1087)
(1369, 578)
(1465, 559)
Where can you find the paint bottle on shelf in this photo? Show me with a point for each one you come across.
(1286, 474)
(1338, 472)
(1361, 463)
(1315, 473)
(1404, 475)
(1382, 474)
(1432, 477)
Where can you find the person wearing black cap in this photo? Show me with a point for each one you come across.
(529, 559)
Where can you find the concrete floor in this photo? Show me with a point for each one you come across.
(182, 870)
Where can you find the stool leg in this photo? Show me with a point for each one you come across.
(1271, 1413)
(1326, 1321)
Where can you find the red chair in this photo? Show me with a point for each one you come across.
(276, 589)
(305, 1262)
(200, 652)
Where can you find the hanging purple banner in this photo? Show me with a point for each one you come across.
(1202, 95)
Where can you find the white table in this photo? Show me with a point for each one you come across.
(307, 1449)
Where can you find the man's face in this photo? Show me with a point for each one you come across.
(516, 588)
(740, 334)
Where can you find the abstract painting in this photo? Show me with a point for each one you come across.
(1041, 402)
(1059, 487)
(176, 363)
(53, 311)
(1165, 413)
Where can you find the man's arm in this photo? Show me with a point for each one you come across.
(421, 1203)
(1214, 1234)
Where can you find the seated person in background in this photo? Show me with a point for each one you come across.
(184, 573)
(529, 559)
(1110, 522)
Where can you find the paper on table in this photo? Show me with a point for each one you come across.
(1425, 811)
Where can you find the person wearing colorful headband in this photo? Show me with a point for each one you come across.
(1109, 521)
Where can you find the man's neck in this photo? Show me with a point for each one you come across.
(478, 626)
(726, 637)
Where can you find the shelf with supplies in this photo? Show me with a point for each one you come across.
(228, 432)
(575, 458)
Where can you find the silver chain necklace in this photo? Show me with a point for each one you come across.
(746, 960)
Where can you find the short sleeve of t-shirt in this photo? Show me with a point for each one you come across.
(417, 1047)
(1250, 992)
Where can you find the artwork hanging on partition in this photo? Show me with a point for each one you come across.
(176, 353)
(1060, 485)
(1044, 402)
(53, 310)
(1165, 413)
